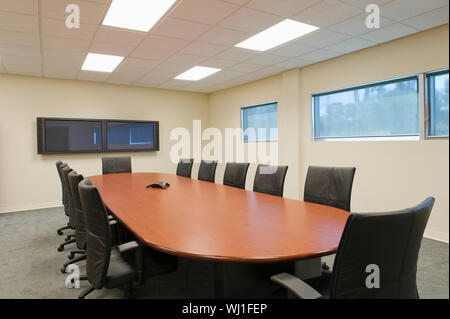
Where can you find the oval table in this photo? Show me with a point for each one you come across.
(241, 232)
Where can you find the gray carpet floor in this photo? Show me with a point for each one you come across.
(30, 265)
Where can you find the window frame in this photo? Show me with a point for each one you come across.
(427, 98)
(255, 106)
(407, 137)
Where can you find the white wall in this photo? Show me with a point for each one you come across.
(29, 180)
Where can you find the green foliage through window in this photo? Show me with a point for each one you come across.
(438, 103)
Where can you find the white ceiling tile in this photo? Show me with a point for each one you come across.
(169, 70)
(58, 28)
(291, 50)
(138, 67)
(293, 63)
(266, 59)
(19, 22)
(388, 33)
(284, 8)
(64, 71)
(2, 69)
(249, 20)
(62, 57)
(327, 12)
(93, 76)
(357, 25)
(20, 6)
(111, 48)
(187, 59)
(123, 78)
(25, 65)
(90, 12)
(319, 55)
(237, 54)
(152, 80)
(224, 36)
(203, 11)
(203, 49)
(58, 43)
(175, 84)
(225, 75)
(177, 28)
(19, 51)
(350, 45)
(19, 38)
(404, 9)
(154, 42)
(119, 36)
(219, 63)
(245, 67)
(364, 3)
(322, 38)
(429, 20)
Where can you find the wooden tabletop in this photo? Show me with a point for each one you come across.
(204, 220)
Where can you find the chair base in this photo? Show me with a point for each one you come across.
(67, 242)
(60, 230)
(86, 292)
(74, 252)
(63, 269)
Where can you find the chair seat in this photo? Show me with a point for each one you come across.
(321, 284)
(120, 271)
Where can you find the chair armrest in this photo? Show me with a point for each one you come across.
(297, 286)
(139, 257)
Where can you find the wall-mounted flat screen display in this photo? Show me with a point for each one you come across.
(72, 136)
(63, 135)
(125, 135)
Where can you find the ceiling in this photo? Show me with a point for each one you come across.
(35, 41)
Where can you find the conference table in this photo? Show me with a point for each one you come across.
(247, 236)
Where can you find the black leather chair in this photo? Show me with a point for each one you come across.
(65, 170)
(391, 241)
(80, 228)
(123, 266)
(114, 165)
(331, 186)
(235, 174)
(184, 167)
(59, 166)
(207, 171)
(269, 179)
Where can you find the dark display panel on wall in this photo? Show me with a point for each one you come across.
(57, 135)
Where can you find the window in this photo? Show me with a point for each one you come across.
(437, 103)
(260, 122)
(385, 109)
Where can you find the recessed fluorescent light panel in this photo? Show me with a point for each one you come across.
(139, 15)
(101, 62)
(276, 35)
(197, 73)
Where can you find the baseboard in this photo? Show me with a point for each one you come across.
(436, 235)
(21, 208)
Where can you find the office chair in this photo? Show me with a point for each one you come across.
(122, 266)
(68, 205)
(331, 186)
(235, 174)
(184, 167)
(207, 171)
(59, 166)
(113, 165)
(270, 179)
(80, 229)
(389, 242)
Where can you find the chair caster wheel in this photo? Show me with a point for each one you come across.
(59, 232)
(63, 270)
(60, 248)
(71, 256)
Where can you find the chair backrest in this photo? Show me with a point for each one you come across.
(269, 179)
(69, 203)
(98, 233)
(80, 228)
(391, 242)
(330, 186)
(235, 174)
(114, 165)
(207, 171)
(59, 166)
(184, 167)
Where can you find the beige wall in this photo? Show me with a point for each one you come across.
(390, 174)
(29, 180)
